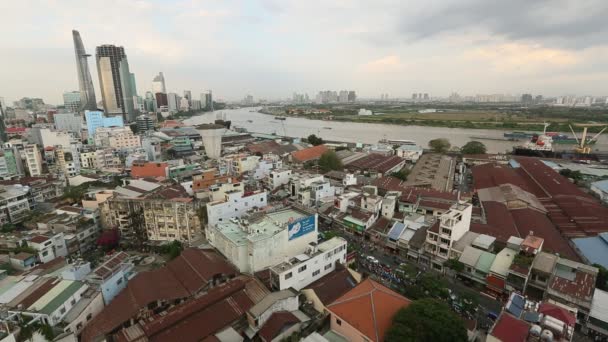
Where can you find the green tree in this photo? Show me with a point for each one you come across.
(330, 161)
(173, 249)
(401, 174)
(575, 175)
(473, 147)
(440, 145)
(601, 282)
(426, 320)
(454, 264)
(314, 140)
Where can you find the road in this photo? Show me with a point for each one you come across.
(486, 304)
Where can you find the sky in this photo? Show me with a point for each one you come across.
(270, 49)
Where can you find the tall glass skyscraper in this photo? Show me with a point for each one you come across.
(85, 83)
(115, 81)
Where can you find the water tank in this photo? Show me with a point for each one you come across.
(546, 336)
(535, 330)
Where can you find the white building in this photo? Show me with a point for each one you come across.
(316, 193)
(441, 237)
(70, 122)
(304, 269)
(49, 247)
(235, 204)
(54, 138)
(116, 137)
(33, 160)
(264, 168)
(409, 152)
(15, 203)
(112, 276)
(276, 237)
(278, 178)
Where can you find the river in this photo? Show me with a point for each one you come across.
(363, 132)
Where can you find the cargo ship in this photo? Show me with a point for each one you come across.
(540, 145)
(563, 139)
(280, 118)
(518, 135)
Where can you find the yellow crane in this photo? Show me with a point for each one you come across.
(583, 144)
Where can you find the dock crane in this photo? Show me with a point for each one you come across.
(583, 143)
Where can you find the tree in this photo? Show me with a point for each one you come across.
(427, 320)
(454, 264)
(473, 147)
(173, 249)
(574, 175)
(401, 174)
(314, 140)
(330, 161)
(601, 282)
(440, 145)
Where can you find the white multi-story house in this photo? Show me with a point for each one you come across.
(112, 276)
(116, 137)
(234, 205)
(452, 225)
(304, 269)
(316, 192)
(278, 178)
(49, 247)
(33, 160)
(14, 203)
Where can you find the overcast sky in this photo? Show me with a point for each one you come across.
(271, 49)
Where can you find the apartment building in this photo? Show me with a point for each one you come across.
(15, 203)
(33, 160)
(116, 137)
(234, 205)
(441, 237)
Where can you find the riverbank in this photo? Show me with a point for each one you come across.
(465, 120)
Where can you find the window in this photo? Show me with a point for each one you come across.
(89, 316)
(328, 266)
(316, 273)
(119, 281)
(73, 301)
(302, 269)
(338, 322)
(288, 276)
(62, 311)
(45, 253)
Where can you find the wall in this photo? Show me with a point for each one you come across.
(346, 330)
(149, 170)
(113, 285)
(234, 206)
(92, 310)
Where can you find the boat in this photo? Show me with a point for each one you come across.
(398, 142)
(326, 127)
(280, 118)
(249, 120)
(518, 135)
(539, 145)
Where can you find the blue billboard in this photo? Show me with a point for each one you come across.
(301, 226)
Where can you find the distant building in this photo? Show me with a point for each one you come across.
(116, 137)
(71, 122)
(113, 275)
(96, 119)
(115, 81)
(71, 101)
(158, 84)
(144, 124)
(234, 205)
(33, 160)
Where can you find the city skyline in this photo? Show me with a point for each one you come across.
(269, 50)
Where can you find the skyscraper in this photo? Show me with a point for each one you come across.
(115, 81)
(85, 83)
(158, 84)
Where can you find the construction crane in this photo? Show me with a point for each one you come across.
(583, 144)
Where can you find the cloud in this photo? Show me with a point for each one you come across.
(385, 64)
(563, 23)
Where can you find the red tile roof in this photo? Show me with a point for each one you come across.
(39, 239)
(308, 154)
(182, 277)
(332, 286)
(581, 288)
(15, 130)
(264, 147)
(277, 323)
(510, 329)
(375, 162)
(558, 312)
(528, 220)
(369, 307)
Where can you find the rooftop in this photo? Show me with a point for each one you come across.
(503, 261)
(307, 154)
(369, 307)
(333, 285)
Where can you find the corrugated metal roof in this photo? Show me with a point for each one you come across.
(485, 262)
(396, 231)
(61, 298)
(594, 249)
(503, 261)
(50, 295)
(470, 256)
